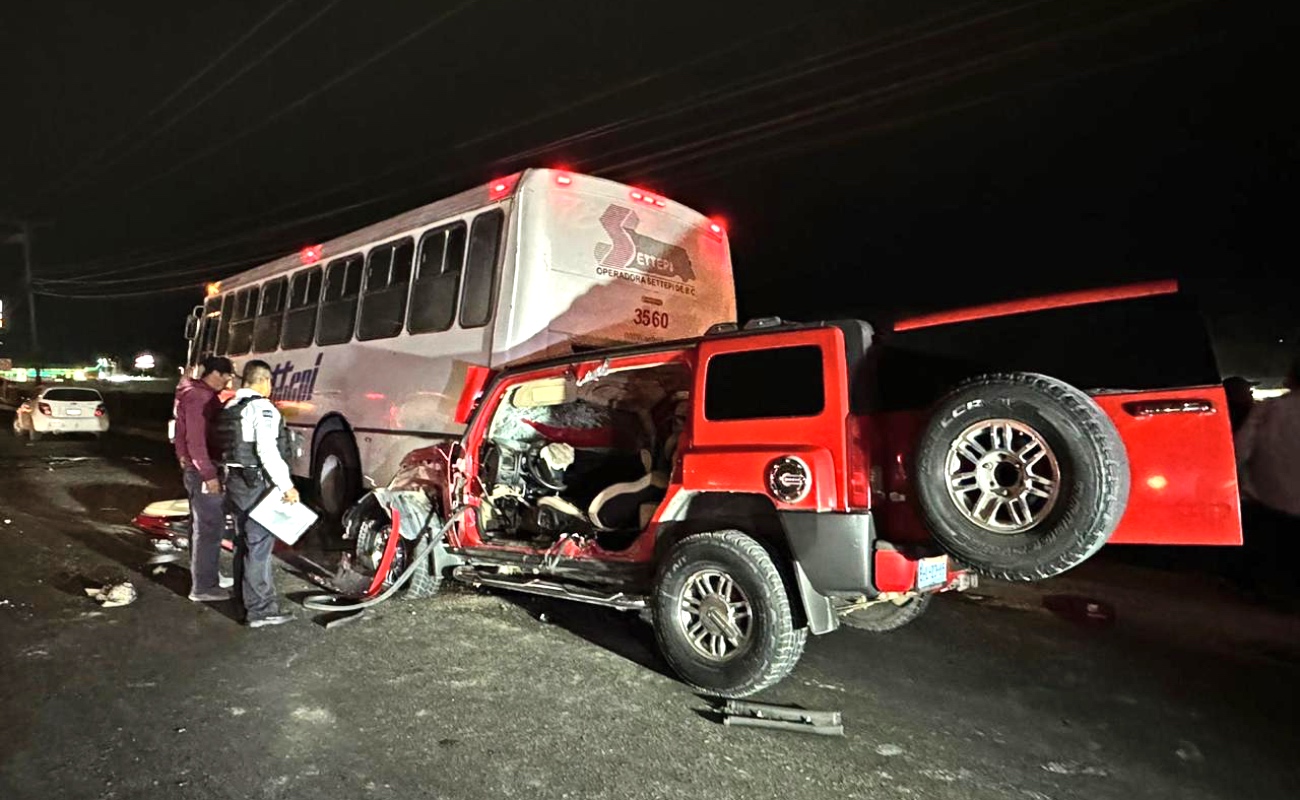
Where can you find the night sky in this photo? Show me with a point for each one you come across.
(870, 158)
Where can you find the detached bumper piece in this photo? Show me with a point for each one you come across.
(739, 713)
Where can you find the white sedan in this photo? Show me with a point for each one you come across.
(62, 409)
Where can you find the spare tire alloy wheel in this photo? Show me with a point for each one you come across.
(1003, 475)
(1020, 476)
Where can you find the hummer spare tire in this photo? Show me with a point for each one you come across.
(1020, 476)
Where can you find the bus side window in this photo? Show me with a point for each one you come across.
(383, 299)
(208, 331)
(270, 317)
(482, 269)
(227, 314)
(300, 319)
(338, 306)
(241, 328)
(437, 280)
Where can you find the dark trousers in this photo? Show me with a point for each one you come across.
(254, 574)
(207, 526)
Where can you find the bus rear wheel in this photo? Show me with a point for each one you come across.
(336, 474)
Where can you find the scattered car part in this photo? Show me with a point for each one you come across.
(741, 714)
(113, 595)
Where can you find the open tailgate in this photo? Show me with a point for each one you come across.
(1183, 468)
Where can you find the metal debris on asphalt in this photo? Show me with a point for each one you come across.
(739, 713)
(113, 595)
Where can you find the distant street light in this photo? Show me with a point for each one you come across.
(145, 362)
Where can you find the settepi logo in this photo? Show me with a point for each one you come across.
(632, 256)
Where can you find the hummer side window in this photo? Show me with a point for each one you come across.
(761, 384)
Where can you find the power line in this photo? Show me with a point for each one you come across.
(229, 140)
(795, 148)
(807, 117)
(769, 79)
(730, 141)
(598, 130)
(120, 295)
(85, 163)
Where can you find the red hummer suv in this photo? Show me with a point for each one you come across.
(754, 485)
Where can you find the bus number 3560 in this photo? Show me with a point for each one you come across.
(650, 319)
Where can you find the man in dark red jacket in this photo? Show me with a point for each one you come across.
(197, 407)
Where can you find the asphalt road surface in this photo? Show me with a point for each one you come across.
(1189, 694)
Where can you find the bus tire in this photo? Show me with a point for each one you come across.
(1021, 476)
(336, 474)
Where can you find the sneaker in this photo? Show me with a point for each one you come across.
(225, 582)
(215, 596)
(274, 619)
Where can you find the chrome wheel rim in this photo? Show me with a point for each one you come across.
(1002, 476)
(716, 615)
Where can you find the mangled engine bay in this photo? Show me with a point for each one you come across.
(582, 457)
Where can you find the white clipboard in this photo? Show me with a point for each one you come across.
(286, 521)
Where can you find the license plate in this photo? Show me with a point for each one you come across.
(931, 572)
(74, 412)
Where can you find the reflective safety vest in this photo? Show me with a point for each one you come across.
(235, 451)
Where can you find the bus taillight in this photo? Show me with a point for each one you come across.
(500, 188)
(648, 199)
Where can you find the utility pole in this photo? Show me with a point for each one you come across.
(24, 238)
(27, 278)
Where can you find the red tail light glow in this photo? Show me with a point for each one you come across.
(44, 408)
(99, 411)
(859, 464)
(310, 254)
(500, 188)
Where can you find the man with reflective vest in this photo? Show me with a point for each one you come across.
(255, 446)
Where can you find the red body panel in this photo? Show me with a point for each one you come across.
(1184, 471)
(1183, 487)
(1029, 304)
(733, 456)
(894, 571)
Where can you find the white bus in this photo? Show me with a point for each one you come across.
(372, 335)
